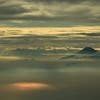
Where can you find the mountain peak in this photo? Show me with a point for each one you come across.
(87, 50)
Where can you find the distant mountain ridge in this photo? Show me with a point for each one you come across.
(87, 52)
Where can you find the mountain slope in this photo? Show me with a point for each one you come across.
(86, 52)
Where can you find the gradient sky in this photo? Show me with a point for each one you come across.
(49, 13)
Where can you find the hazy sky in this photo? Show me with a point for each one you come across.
(37, 13)
(34, 37)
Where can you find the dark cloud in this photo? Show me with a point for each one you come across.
(70, 1)
(2, 1)
(93, 34)
(11, 10)
(73, 11)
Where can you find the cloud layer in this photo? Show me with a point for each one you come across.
(51, 10)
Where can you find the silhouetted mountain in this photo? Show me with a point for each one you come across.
(87, 50)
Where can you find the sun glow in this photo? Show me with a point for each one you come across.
(29, 86)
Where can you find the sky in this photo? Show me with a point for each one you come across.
(49, 24)
(49, 13)
(40, 42)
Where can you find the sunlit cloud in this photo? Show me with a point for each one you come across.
(44, 31)
(7, 58)
(28, 86)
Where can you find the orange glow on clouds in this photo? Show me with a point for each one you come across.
(29, 86)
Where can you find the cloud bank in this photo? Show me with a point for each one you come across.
(51, 10)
